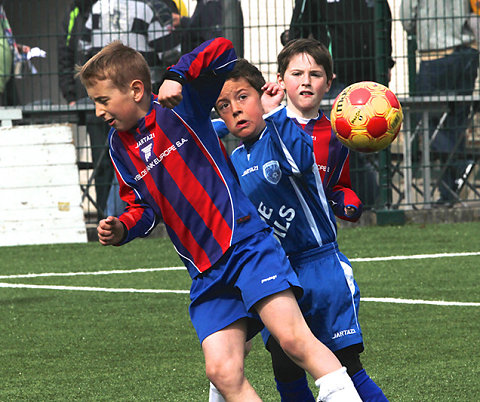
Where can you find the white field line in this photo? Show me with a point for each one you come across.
(414, 257)
(137, 270)
(131, 290)
(89, 289)
(412, 301)
(110, 272)
(129, 271)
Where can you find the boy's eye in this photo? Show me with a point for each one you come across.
(222, 106)
(242, 97)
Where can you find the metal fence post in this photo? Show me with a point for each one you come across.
(385, 213)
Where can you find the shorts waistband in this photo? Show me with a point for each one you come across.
(326, 249)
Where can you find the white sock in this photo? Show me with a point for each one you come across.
(337, 386)
(215, 395)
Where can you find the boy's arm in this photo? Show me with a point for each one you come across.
(202, 73)
(111, 231)
(344, 201)
(170, 93)
(138, 218)
(272, 96)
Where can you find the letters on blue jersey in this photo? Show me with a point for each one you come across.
(279, 175)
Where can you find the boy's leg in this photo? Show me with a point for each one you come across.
(214, 394)
(367, 388)
(291, 380)
(224, 353)
(282, 316)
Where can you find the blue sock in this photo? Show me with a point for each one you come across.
(367, 389)
(295, 391)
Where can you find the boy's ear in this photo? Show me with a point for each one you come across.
(280, 81)
(329, 84)
(138, 89)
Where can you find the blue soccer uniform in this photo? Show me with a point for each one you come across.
(333, 161)
(279, 174)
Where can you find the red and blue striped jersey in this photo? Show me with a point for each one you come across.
(333, 161)
(171, 167)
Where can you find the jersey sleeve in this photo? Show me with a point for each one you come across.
(340, 193)
(204, 69)
(291, 141)
(138, 217)
(220, 128)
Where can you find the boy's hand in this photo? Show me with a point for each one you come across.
(170, 93)
(350, 211)
(110, 231)
(272, 96)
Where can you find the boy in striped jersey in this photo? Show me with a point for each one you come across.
(170, 166)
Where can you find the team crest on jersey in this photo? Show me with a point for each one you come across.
(147, 151)
(272, 172)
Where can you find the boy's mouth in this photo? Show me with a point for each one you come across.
(306, 93)
(110, 121)
(242, 123)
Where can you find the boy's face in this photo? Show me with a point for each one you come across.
(116, 107)
(305, 83)
(239, 105)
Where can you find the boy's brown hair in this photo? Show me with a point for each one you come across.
(244, 69)
(313, 47)
(119, 63)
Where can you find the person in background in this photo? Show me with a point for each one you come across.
(11, 56)
(449, 62)
(279, 166)
(348, 28)
(71, 52)
(146, 25)
(211, 19)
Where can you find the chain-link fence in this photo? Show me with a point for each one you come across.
(432, 163)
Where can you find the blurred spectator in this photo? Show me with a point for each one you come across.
(145, 25)
(71, 53)
(449, 62)
(177, 7)
(11, 58)
(348, 28)
(211, 19)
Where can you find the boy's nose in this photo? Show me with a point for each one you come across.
(236, 109)
(99, 112)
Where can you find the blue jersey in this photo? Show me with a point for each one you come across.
(171, 167)
(282, 162)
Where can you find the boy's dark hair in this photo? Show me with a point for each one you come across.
(119, 63)
(313, 47)
(244, 69)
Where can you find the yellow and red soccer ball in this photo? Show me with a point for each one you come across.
(366, 116)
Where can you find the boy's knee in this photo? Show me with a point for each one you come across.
(293, 346)
(224, 372)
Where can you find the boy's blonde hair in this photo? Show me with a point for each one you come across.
(313, 47)
(119, 63)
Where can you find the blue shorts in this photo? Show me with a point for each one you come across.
(331, 296)
(250, 270)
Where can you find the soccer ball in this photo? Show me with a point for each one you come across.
(366, 116)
